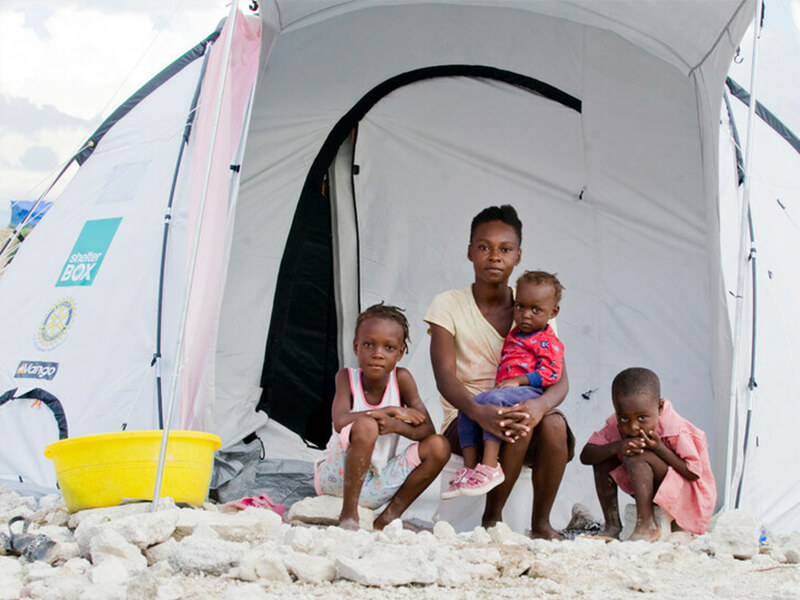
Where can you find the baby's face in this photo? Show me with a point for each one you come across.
(637, 413)
(534, 306)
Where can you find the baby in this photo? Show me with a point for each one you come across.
(653, 454)
(532, 359)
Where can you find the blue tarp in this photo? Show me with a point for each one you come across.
(20, 208)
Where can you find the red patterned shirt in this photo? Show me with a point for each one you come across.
(539, 355)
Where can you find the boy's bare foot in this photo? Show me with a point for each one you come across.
(545, 533)
(648, 534)
(349, 523)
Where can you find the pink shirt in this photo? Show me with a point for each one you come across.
(691, 503)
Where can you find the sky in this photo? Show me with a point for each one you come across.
(65, 65)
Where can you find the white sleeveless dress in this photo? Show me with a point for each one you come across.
(385, 445)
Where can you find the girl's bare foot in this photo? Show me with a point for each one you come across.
(349, 523)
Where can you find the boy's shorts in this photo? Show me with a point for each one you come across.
(378, 489)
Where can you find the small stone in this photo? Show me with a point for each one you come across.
(249, 525)
(325, 510)
(581, 518)
(196, 554)
(480, 536)
(405, 569)
(444, 531)
(311, 569)
(111, 570)
(160, 552)
(735, 533)
(10, 578)
(301, 539)
(263, 562)
(662, 518)
(502, 534)
(110, 544)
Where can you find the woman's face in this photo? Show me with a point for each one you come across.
(494, 251)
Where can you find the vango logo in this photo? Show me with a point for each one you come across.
(31, 369)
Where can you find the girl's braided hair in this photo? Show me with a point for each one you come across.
(389, 312)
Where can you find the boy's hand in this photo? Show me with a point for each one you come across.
(652, 441)
(513, 382)
(631, 446)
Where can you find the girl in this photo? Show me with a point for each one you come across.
(373, 406)
(653, 454)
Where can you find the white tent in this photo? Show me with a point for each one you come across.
(373, 133)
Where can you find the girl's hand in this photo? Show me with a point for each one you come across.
(409, 415)
(386, 422)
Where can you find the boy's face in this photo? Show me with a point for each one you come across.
(534, 306)
(637, 413)
(379, 346)
(494, 251)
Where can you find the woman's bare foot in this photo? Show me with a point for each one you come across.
(545, 533)
(649, 533)
(349, 523)
(611, 531)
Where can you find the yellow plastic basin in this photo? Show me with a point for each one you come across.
(105, 469)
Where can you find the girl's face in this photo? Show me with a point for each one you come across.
(494, 251)
(378, 346)
(637, 413)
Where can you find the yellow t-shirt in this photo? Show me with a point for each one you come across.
(478, 344)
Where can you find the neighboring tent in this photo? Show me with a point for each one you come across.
(375, 132)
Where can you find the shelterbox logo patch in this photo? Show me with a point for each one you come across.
(88, 252)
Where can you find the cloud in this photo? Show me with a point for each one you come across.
(22, 115)
(39, 158)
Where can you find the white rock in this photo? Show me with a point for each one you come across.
(197, 554)
(160, 551)
(480, 555)
(791, 548)
(250, 591)
(453, 573)
(502, 534)
(142, 586)
(552, 569)
(249, 525)
(263, 562)
(302, 539)
(311, 569)
(104, 591)
(735, 533)
(444, 531)
(387, 569)
(581, 517)
(147, 529)
(62, 552)
(662, 518)
(110, 513)
(170, 590)
(480, 536)
(325, 510)
(111, 569)
(108, 543)
(10, 578)
(77, 566)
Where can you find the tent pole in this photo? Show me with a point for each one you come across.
(231, 24)
(744, 248)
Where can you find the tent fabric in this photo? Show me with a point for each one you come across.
(620, 198)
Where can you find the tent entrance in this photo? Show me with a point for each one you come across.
(301, 356)
(331, 269)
